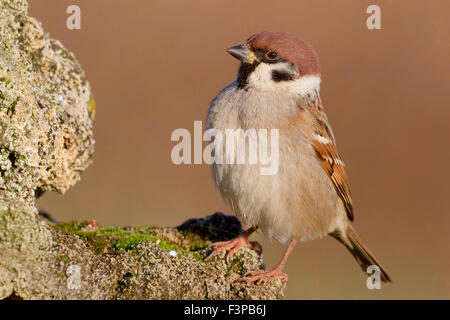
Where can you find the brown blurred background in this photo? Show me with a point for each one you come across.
(155, 65)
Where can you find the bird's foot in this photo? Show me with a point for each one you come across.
(233, 246)
(264, 276)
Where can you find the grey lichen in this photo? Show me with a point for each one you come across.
(46, 109)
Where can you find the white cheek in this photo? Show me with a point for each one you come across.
(261, 79)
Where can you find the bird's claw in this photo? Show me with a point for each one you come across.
(233, 246)
(264, 276)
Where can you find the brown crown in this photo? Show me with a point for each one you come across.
(289, 47)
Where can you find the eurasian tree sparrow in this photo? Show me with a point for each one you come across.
(277, 86)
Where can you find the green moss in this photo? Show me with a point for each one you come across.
(130, 241)
(5, 81)
(124, 286)
(66, 54)
(12, 106)
(62, 258)
(120, 287)
(92, 107)
(71, 227)
(195, 244)
(197, 256)
(111, 240)
(180, 251)
(168, 246)
(199, 246)
(95, 241)
(238, 265)
(98, 243)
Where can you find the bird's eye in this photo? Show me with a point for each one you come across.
(272, 55)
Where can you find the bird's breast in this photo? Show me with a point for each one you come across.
(298, 198)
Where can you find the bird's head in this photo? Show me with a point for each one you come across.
(274, 60)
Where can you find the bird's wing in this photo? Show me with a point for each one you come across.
(324, 144)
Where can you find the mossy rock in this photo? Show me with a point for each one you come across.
(40, 260)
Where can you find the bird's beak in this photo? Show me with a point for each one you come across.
(243, 54)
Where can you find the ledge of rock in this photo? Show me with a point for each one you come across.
(40, 260)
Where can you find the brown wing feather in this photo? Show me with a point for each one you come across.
(325, 146)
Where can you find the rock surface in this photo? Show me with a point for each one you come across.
(46, 141)
(46, 111)
(81, 261)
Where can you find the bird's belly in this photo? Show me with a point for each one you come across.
(298, 202)
(253, 197)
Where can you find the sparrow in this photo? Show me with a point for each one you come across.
(277, 86)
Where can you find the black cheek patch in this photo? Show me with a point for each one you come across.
(278, 75)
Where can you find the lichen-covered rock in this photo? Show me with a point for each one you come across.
(46, 110)
(81, 261)
(46, 141)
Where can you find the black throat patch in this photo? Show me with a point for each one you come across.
(244, 72)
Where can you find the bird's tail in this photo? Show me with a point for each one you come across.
(362, 254)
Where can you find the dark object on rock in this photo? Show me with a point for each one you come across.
(217, 227)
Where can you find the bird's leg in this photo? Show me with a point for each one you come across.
(276, 272)
(233, 245)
